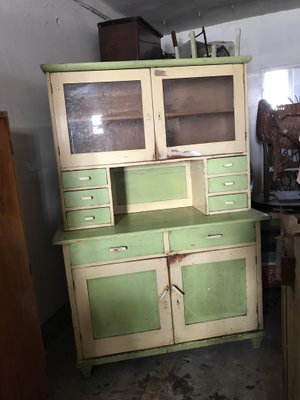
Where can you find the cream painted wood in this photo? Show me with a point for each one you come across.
(226, 326)
(199, 186)
(159, 205)
(259, 277)
(73, 302)
(69, 160)
(236, 146)
(100, 347)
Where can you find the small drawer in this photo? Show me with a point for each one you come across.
(82, 178)
(227, 165)
(227, 183)
(85, 218)
(93, 251)
(86, 198)
(228, 202)
(214, 235)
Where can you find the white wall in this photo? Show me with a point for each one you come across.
(272, 41)
(34, 32)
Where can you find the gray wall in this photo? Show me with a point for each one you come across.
(34, 32)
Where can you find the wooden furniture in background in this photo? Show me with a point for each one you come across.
(22, 366)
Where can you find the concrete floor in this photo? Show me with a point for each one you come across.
(232, 371)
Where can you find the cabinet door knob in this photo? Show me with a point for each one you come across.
(86, 197)
(229, 203)
(84, 178)
(159, 116)
(227, 165)
(164, 293)
(178, 290)
(89, 218)
(228, 183)
(148, 116)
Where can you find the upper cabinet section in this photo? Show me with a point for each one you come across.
(134, 115)
(103, 117)
(199, 111)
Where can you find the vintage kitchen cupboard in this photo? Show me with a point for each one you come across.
(161, 247)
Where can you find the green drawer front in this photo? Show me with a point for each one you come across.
(85, 218)
(87, 177)
(227, 165)
(213, 235)
(228, 202)
(227, 183)
(108, 249)
(86, 198)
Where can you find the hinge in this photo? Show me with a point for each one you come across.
(256, 260)
(58, 149)
(51, 88)
(11, 147)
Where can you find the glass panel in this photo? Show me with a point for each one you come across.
(199, 110)
(104, 116)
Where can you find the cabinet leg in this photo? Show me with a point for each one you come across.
(86, 371)
(256, 342)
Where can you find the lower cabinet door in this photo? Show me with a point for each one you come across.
(214, 293)
(123, 307)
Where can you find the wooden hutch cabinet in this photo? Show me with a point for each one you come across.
(161, 247)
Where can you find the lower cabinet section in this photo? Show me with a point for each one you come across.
(150, 303)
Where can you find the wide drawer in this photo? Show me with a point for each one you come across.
(228, 202)
(82, 178)
(93, 251)
(86, 198)
(90, 217)
(227, 183)
(227, 165)
(215, 235)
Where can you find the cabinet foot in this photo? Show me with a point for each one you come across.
(256, 342)
(86, 371)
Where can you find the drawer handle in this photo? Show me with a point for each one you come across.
(164, 293)
(178, 290)
(215, 236)
(228, 183)
(227, 165)
(229, 203)
(84, 178)
(89, 218)
(118, 248)
(86, 197)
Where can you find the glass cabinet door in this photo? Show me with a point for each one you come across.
(199, 111)
(103, 117)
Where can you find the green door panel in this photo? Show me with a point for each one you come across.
(82, 178)
(86, 198)
(214, 291)
(227, 183)
(228, 202)
(124, 304)
(226, 165)
(150, 184)
(212, 236)
(108, 249)
(92, 216)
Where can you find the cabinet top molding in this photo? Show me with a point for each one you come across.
(108, 65)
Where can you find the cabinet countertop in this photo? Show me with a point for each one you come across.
(162, 221)
(109, 65)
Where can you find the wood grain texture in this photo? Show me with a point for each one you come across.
(22, 366)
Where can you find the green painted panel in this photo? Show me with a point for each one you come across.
(86, 198)
(227, 165)
(214, 291)
(211, 236)
(228, 202)
(227, 183)
(98, 250)
(96, 66)
(93, 216)
(82, 178)
(149, 184)
(124, 304)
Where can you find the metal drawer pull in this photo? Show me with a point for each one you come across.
(215, 236)
(85, 178)
(228, 183)
(86, 197)
(89, 218)
(163, 295)
(118, 248)
(178, 290)
(228, 165)
(229, 203)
